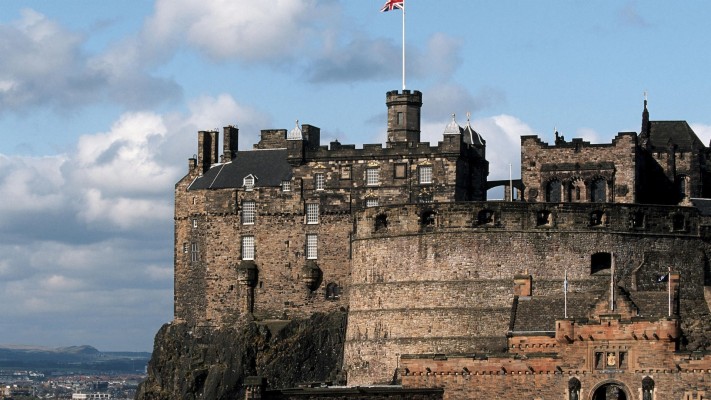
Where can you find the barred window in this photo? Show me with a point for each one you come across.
(286, 186)
(248, 247)
(371, 202)
(312, 213)
(249, 211)
(320, 181)
(311, 246)
(425, 175)
(194, 254)
(372, 176)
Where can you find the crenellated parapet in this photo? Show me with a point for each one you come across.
(502, 216)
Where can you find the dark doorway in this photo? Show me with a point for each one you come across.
(610, 391)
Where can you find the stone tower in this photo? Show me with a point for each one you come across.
(404, 116)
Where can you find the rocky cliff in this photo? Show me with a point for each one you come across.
(190, 363)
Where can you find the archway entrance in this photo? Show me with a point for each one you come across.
(610, 391)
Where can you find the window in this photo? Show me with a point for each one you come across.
(400, 119)
(249, 211)
(400, 171)
(428, 218)
(248, 182)
(610, 359)
(425, 198)
(185, 248)
(286, 186)
(372, 176)
(312, 213)
(346, 172)
(248, 247)
(485, 217)
(371, 202)
(194, 254)
(598, 191)
(544, 218)
(553, 191)
(425, 175)
(600, 261)
(381, 222)
(320, 181)
(194, 222)
(311, 246)
(333, 291)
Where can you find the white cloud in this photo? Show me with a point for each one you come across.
(91, 229)
(703, 131)
(44, 63)
(242, 29)
(588, 134)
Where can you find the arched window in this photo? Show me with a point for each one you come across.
(553, 191)
(600, 261)
(574, 389)
(598, 191)
(647, 388)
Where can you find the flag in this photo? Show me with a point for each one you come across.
(393, 4)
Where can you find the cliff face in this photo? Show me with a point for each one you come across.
(190, 363)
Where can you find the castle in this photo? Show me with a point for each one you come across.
(587, 282)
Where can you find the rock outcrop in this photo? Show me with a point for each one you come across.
(190, 363)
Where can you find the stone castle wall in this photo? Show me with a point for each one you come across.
(579, 163)
(435, 279)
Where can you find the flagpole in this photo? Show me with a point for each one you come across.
(403, 44)
(669, 290)
(565, 291)
(612, 283)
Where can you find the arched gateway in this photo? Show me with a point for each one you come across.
(610, 390)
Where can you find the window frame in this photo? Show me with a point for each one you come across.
(372, 176)
(311, 246)
(249, 212)
(286, 186)
(319, 181)
(425, 174)
(247, 247)
(312, 213)
(194, 252)
(248, 182)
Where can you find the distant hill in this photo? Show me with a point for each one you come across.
(73, 358)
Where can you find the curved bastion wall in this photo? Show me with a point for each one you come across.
(439, 278)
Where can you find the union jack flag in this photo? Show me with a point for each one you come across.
(393, 4)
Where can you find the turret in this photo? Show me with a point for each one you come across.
(644, 132)
(404, 116)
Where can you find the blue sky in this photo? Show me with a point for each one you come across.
(100, 103)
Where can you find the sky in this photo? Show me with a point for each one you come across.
(100, 103)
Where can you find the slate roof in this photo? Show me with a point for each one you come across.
(539, 313)
(270, 167)
(680, 133)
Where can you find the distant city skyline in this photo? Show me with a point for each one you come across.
(100, 104)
